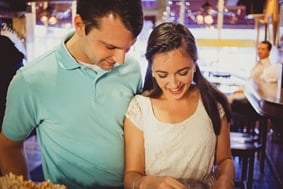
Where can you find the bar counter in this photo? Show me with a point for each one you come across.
(267, 99)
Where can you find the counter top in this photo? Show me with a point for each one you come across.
(265, 97)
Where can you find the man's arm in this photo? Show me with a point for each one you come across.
(12, 157)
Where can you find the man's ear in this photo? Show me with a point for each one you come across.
(79, 25)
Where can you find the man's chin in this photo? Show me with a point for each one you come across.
(107, 68)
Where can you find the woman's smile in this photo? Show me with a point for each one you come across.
(177, 90)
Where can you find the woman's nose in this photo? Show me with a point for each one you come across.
(173, 82)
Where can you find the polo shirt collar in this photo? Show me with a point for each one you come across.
(65, 59)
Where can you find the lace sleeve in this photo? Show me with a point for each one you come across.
(134, 112)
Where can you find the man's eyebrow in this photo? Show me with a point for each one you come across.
(110, 45)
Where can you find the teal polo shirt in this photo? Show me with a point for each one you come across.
(78, 115)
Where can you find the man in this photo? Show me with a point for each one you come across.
(260, 71)
(75, 96)
(263, 52)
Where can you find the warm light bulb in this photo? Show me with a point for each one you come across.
(208, 19)
(44, 19)
(199, 19)
(52, 20)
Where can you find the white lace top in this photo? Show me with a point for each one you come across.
(182, 150)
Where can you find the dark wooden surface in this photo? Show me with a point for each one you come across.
(274, 150)
(267, 99)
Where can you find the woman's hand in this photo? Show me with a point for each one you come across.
(224, 182)
(157, 182)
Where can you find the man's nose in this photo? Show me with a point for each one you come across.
(119, 56)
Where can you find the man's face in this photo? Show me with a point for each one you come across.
(107, 45)
(263, 51)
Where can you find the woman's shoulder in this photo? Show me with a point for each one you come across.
(140, 103)
(140, 98)
(138, 107)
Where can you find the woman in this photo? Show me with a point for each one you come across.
(178, 129)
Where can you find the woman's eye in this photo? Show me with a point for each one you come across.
(183, 72)
(162, 75)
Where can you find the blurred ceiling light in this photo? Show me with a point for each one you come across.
(208, 19)
(52, 20)
(44, 19)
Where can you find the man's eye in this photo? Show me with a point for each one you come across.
(110, 47)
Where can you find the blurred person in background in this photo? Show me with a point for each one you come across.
(264, 68)
(263, 71)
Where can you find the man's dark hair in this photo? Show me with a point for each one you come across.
(269, 45)
(129, 11)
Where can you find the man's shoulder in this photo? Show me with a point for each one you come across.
(40, 67)
(41, 59)
(131, 65)
(130, 59)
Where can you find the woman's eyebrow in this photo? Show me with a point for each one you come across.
(159, 71)
(185, 68)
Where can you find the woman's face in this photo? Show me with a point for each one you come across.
(173, 72)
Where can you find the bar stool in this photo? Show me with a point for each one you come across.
(262, 20)
(245, 143)
(244, 117)
(246, 151)
(265, 21)
(246, 120)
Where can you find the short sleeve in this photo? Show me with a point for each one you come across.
(21, 104)
(134, 112)
(271, 73)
